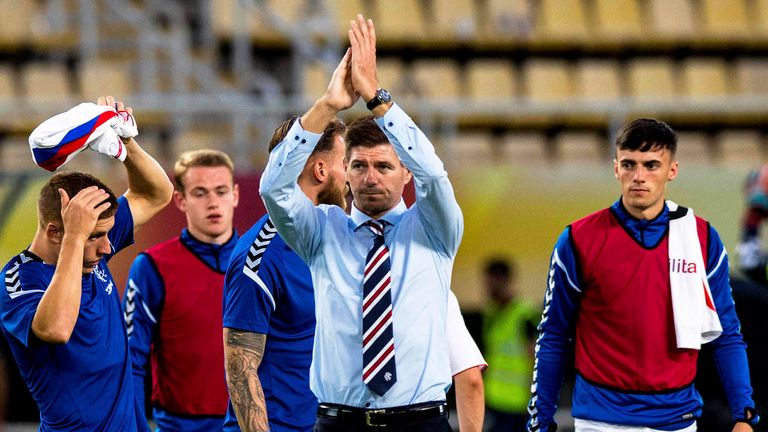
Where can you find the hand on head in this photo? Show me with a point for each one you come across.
(80, 213)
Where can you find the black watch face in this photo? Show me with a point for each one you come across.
(383, 96)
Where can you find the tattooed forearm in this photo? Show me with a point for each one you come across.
(243, 352)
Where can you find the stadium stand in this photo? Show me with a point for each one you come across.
(671, 20)
(618, 20)
(597, 80)
(547, 80)
(651, 78)
(503, 65)
(7, 82)
(491, 79)
(532, 84)
(725, 20)
(436, 80)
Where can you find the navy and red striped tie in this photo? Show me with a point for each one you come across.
(378, 337)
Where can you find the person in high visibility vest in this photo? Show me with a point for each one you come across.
(509, 327)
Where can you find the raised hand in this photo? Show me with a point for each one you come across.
(340, 94)
(80, 213)
(362, 40)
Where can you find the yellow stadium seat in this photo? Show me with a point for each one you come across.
(671, 19)
(214, 135)
(46, 82)
(345, 10)
(316, 77)
(389, 71)
(751, 76)
(453, 20)
(225, 13)
(694, 148)
(436, 79)
(760, 18)
(399, 21)
(524, 149)
(15, 21)
(743, 147)
(506, 19)
(582, 148)
(7, 82)
(561, 20)
(105, 78)
(705, 77)
(547, 80)
(724, 19)
(468, 149)
(617, 19)
(597, 80)
(490, 79)
(651, 78)
(291, 12)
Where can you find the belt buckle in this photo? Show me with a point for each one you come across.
(368, 417)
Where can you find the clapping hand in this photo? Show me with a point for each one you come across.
(362, 39)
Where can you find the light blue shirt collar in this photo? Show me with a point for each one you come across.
(392, 217)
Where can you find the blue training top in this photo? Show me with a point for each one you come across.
(268, 290)
(84, 384)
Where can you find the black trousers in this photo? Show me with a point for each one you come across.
(436, 424)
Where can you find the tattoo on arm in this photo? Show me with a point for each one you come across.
(243, 351)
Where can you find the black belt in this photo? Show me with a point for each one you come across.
(396, 416)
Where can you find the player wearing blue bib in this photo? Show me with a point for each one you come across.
(61, 310)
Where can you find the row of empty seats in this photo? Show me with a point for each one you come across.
(538, 79)
(41, 81)
(741, 148)
(541, 79)
(561, 21)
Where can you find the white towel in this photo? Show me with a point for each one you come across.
(696, 320)
(59, 139)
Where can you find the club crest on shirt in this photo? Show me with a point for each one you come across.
(388, 376)
(101, 274)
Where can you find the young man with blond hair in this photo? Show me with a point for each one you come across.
(173, 300)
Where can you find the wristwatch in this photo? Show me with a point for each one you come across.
(382, 96)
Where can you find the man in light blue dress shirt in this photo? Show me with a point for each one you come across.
(383, 154)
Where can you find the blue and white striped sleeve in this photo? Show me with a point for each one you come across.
(253, 283)
(554, 345)
(729, 349)
(142, 304)
(25, 285)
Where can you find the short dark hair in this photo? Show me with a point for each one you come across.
(199, 158)
(364, 132)
(325, 144)
(500, 267)
(49, 202)
(646, 134)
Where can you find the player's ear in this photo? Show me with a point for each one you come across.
(54, 232)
